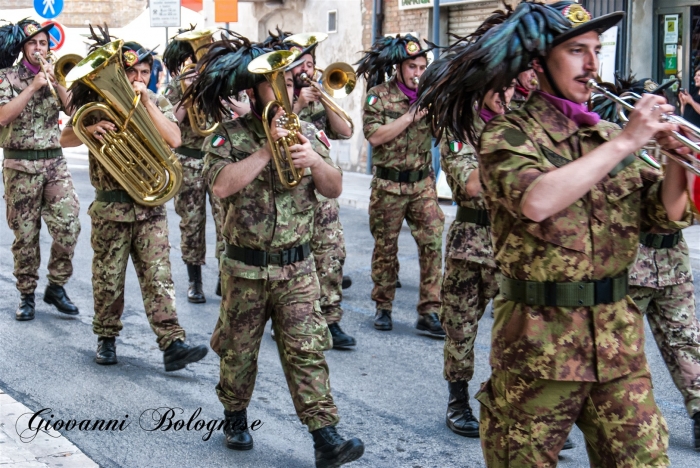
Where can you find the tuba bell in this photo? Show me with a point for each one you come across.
(64, 65)
(273, 65)
(135, 155)
(197, 40)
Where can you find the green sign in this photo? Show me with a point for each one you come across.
(671, 59)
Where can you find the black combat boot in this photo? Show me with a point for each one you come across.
(430, 324)
(696, 431)
(332, 450)
(218, 286)
(382, 320)
(106, 351)
(341, 340)
(236, 430)
(194, 292)
(56, 295)
(347, 282)
(460, 419)
(568, 445)
(25, 310)
(398, 283)
(179, 354)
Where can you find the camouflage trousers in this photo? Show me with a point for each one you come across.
(467, 288)
(328, 246)
(301, 334)
(146, 242)
(426, 221)
(671, 315)
(525, 421)
(29, 198)
(190, 205)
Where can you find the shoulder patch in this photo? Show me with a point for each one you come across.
(554, 158)
(456, 146)
(168, 91)
(514, 137)
(372, 100)
(321, 136)
(217, 141)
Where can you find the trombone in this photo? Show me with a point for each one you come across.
(44, 62)
(624, 102)
(337, 81)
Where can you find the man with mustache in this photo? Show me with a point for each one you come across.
(37, 181)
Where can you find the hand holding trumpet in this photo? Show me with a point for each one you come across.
(48, 76)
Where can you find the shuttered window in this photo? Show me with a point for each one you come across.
(464, 19)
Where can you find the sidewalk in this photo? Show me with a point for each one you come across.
(47, 450)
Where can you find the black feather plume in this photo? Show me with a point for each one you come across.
(454, 85)
(221, 74)
(177, 52)
(101, 39)
(11, 37)
(377, 63)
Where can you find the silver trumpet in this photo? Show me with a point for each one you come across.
(625, 105)
(415, 80)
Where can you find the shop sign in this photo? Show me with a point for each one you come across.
(413, 4)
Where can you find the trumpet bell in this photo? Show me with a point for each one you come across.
(307, 39)
(275, 61)
(198, 40)
(338, 80)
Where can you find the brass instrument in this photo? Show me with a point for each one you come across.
(415, 80)
(337, 81)
(64, 65)
(197, 40)
(307, 39)
(45, 62)
(625, 102)
(135, 155)
(273, 65)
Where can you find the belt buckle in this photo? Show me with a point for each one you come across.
(274, 258)
(603, 291)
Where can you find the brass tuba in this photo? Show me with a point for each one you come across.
(64, 65)
(273, 66)
(197, 40)
(135, 155)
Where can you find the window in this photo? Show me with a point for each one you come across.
(332, 21)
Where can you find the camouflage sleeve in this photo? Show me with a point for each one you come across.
(319, 142)
(509, 163)
(6, 91)
(654, 215)
(219, 152)
(164, 105)
(458, 160)
(372, 114)
(173, 92)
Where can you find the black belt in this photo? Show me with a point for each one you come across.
(401, 176)
(471, 215)
(573, 294)
(660, 241)
(190, 152)
(32, 155)
(262, 259)
(113, 196)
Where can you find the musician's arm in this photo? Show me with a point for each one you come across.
(69, 139)
(14, 107)
(167, 128)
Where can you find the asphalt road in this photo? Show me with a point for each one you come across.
(389, 391)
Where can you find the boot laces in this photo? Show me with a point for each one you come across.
(331, 437)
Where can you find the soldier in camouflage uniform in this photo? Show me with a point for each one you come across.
(190, 202)
(37, 181)
(567, 198)
(122, 228)
(525, 84)
(469, 281)
(403, 186)
(267, 270)
(328, 242)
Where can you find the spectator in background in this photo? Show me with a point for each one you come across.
(690, 104)
(156, 75)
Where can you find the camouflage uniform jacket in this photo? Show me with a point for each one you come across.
(470, 242)
(263, 215)
(409, 151)
(595, 237)
(173, 93)
(103, 180)
(36, 127)
(659, 268)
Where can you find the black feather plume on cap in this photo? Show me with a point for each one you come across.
(378, 62)
(608, 109)
(276, 41)
(221, 74)
(178, 52)
(14, 36)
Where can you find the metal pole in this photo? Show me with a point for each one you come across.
(376, 8)
(436, 40)
(167, 74)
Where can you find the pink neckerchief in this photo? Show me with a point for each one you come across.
(411, 94)
(576, 112)
(487, 114)
(32, 68)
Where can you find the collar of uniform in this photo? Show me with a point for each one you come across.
(255, 126)
(558, 126)
(395, 93)
(23, 73)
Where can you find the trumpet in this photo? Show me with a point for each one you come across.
(625, 104)
(337, 81)
(415, 80)
(272, 65)
(44, 63)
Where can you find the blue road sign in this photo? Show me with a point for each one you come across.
(48, 8)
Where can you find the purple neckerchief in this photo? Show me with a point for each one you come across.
(411, 94)
(32, 68)
(257, 116)
(487, 114)
(577, 113)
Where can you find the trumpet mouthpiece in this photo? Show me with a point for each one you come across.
(416, 80)
(591, 84)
